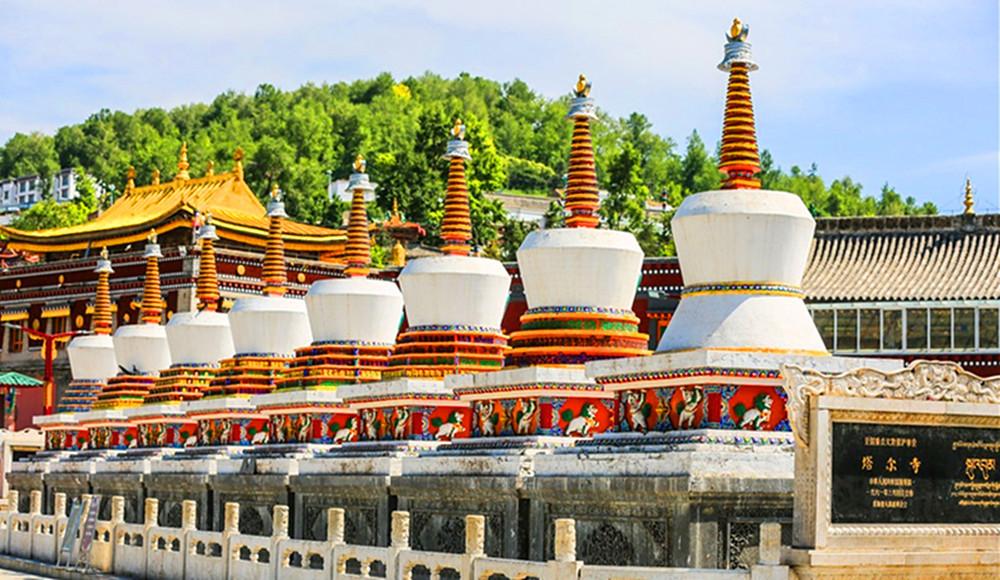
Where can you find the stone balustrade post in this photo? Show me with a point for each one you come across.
(151, 512)
(117, 509)
(565, 544)
(59, 509)
(475, 535)
(335, 526)
(35, 505)
(400, 530)
(231, 518)
(189, 514)
(769, 550)
(279, 528)
(13, 501)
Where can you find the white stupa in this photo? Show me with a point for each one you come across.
(272, 324)
(142, 348)
(202, 336)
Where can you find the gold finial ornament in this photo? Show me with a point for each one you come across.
(104, 253)
(210, 169)
(738, 31)
(458, 131)
(156, 176)
(275, 192)
(360, 164)
(969, 200)
(182, 163)
(582, 88)
(130, 179)
(238, 163)
(151, 238)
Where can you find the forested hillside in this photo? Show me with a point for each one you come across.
(519, 139)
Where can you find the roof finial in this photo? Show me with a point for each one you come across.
(275, 275)
(152, 296)
(360, 164)
(182, 164)
(210, 168)
(582, 198)
(130, 180)
(739, 160)
(102, 303)
(456, 226)
(156, 176)
(969, 200)
(358, 251)
(238, 163)
(207, 288)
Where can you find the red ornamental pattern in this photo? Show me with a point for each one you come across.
(752, 408)
(437, 423)
(540, 415)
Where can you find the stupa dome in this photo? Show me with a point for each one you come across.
(271, 325)
(580, 267)
(354, 309)
(455, 291)
(199, 337)
(142, 349)
(92, 357)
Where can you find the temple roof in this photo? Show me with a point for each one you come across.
(237, 214)
(905, 258)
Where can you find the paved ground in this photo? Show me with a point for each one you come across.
(12, 575)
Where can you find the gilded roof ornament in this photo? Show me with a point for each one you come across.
(582, 105)
(360, 164)
(151, 238)
(359, 179)
(130, 179)
(275, 207)
(156, 176)
(970, 201)
(238, 163)
(104, 253)
(738, 31)
(275, 192)
(210, 168)
(182, 163)
(458, 131)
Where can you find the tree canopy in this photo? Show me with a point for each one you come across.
(519, 142)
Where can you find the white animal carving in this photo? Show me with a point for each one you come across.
(191, 441)
(346, 433)
(754, 417)
(581, 425)
(449, 430)
(260, 437)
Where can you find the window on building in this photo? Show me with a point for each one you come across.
(941, 328)
(988, 335)
(824, 323)
(870, 329)
(59, 325)
(892, 329)
(847, 330)
(16, 341)
(965, 328)
(916, 329)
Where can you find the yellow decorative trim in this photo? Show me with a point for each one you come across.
(13, 316)
(55, 312)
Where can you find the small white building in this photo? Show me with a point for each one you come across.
(20, 193)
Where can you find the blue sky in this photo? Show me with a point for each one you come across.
(898, 91)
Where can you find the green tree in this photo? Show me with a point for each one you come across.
(31, 154)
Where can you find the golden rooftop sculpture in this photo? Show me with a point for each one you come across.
(738, 31)
(582, 89)
(360, 164)
(458, 131)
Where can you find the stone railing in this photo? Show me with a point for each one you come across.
(148, 550)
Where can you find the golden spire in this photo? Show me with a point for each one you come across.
(208, 278)
(395, 209)
(238, 163)
(739, 160)
(129, 180)
(102, 304)
(156, 176)
(456, 226)
(582, 199)
(274, 275)
(152, 296)
(210, 168)
(969, 200)
(182, 164)
(358, 252)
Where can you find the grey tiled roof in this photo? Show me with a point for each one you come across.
(904, 258)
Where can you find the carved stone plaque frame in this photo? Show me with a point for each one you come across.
(925, 394)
